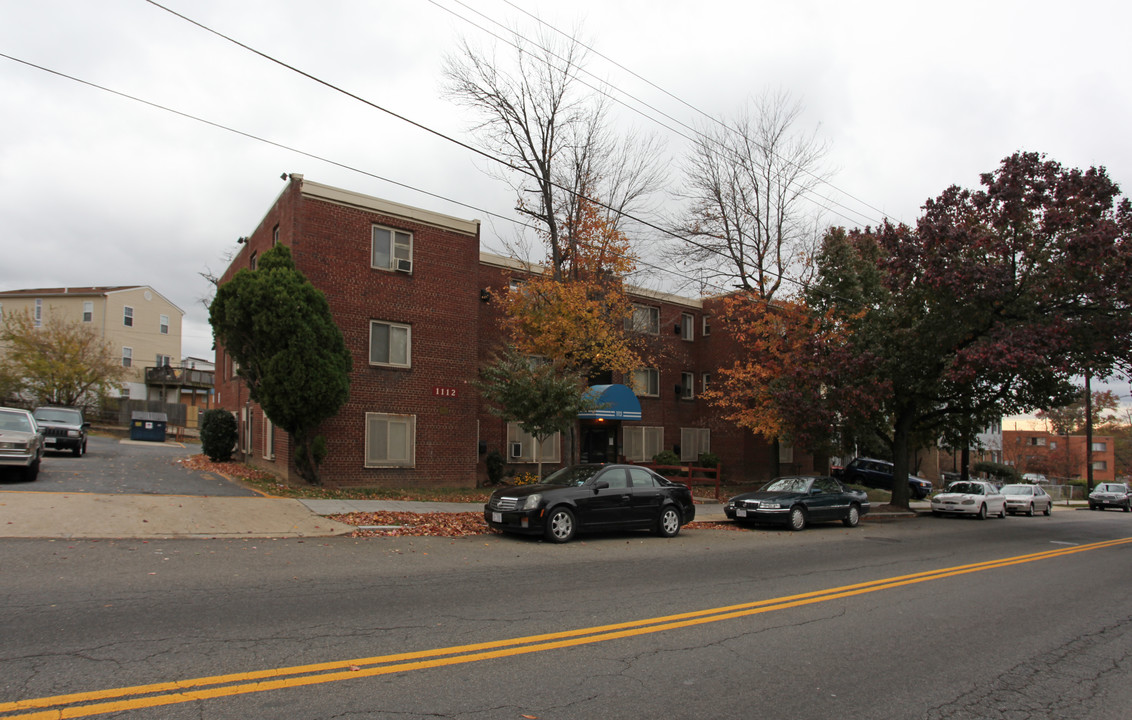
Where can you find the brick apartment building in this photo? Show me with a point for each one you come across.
(1060, 456)
(412, 294)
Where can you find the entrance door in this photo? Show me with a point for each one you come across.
(595, 445)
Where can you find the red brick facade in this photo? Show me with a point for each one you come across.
(444, 302)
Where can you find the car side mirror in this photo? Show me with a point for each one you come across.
(600, 485)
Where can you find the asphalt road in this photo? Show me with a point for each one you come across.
(888, 620)
(113, 466)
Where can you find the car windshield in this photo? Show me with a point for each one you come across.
(966, 487)
(14, 422)
(54, 415)
(1017, 489)
(788, 484)
(1111, 488)
(572, 476)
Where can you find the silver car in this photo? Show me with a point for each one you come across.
(21, 442)
(1027, 499)
(973, 497)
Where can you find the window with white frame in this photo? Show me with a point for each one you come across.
(390, 440)
(521, 446)
(1100, 465)
(88, 311)
(687, 326)
(1052, 444)
(163, 360)
(785, 452)
(693, 443)
(268, 439)
(646, 382)
(687, 385)
(390, 344)
(39, 312)
(1100, 447)
(163, 325)
(705, 380)
(128, 316)
(706, 329)
(645, 319)
(125, 391)
(127, 357)
(641, 443)
(275, 236)
(391, 249)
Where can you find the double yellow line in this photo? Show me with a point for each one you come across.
(77, 705)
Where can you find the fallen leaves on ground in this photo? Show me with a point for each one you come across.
(399, 524)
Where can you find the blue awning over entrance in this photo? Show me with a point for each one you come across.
(612, 402)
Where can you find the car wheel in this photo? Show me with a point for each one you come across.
(982, 512)
(668, 525)
(797, 518)
(937, 513)
(1049, 509)
(1127, 506)
(31, 472)
(853, 518)
(1002, 512)
(1030, 512)
(77, 450)
(560, 525)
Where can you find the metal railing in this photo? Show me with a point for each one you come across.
(179, 376)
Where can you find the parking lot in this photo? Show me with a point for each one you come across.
(113, 465)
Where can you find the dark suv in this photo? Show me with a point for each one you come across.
(878, 474)
(63, 429)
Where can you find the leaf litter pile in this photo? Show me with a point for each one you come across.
(407, 524)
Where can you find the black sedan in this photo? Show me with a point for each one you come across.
(798, 501)
(588, 497)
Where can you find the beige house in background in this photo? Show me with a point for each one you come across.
(141, 325)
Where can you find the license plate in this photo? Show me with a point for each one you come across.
(740, 512)
(497, 517)
(49, 441)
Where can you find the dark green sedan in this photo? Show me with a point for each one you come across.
(798, 501)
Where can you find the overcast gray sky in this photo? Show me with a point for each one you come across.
(97, 189)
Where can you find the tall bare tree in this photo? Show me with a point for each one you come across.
(553, 132)
(748, 221)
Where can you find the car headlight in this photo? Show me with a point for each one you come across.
(13, 446)
(770, 505)
(968, 501)
(532, 501)
(72, 433)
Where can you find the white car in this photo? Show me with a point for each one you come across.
(973, 497)
(1027, 499)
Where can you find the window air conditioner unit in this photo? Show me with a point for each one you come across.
(405, 266)
(516, 450)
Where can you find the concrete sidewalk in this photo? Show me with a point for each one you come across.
(104, 516)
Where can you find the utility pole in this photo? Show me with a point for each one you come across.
(1088, 433)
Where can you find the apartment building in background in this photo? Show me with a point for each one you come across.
(142, 327)
(1060, 457)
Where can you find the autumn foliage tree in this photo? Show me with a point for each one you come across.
(783, 384)
(575, 315)
(61, 362)
(990, 305)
